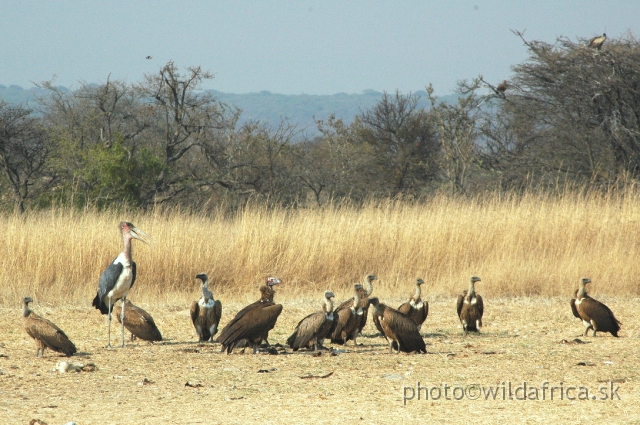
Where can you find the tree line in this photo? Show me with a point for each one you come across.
(568, 114)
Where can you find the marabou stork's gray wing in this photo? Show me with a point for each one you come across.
(49, 334)
(108, 280)
(406, 330)
(138, 322)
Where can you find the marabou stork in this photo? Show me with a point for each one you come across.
(119, 277)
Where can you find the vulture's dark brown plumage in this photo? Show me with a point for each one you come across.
(138, 322)
(45, 333)
(399, 329)
(364, 292)
(502, 87)
(206, 312)
(470, 308)
(348, 319)
(252, 324)
(594, 314)
(597, 42)
(313, 329)
(416, 308)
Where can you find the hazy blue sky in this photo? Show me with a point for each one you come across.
(291, 47)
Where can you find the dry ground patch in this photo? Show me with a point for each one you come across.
(145, 383)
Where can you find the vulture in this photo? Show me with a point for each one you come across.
(348, 319)
(252, 324)
(313, 329)
(398, 328)
(597, 42)
(118, 278)
(593, 313)
(138, 322)
(206, 312)
(470, 307)
(364, 299)
(415, 308)
(45, 333)
(502, 87)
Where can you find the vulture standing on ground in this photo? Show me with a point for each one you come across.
(597, 42)
(593, 313)
(45, 333)
(399, 329)
(119, 277)
(206, 313)
(416, 308)
(313, 329)
(470, 308)
(253, 322)
(138, 322)
(364, 299)
(348, 319)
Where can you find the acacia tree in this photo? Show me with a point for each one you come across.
(337, 164)
(403, 142)
(24, 151)
(571, 111)
(457, 129)
(183, 117)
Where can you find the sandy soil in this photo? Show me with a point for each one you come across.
(181, 381)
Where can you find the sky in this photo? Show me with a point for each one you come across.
(292, 47)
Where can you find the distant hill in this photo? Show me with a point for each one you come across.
(266, 106)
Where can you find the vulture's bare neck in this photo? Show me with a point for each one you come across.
(472, 289)
(328, 306)
(416, 297)
(582, 291)
(25, 310)
(369, 287)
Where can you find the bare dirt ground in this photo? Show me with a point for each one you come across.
(181, 381)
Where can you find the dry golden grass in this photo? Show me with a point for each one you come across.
(531, 245)
(522, 340)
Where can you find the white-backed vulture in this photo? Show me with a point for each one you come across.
(45, 333)
(364, 291)
(313, 329)
(399, 329)
(252, 324)
(470, 307)
(348, 319)
(597, 42)
(594, 314)
(502, 87)
(138, 322)
(416, 308)
(206, 312)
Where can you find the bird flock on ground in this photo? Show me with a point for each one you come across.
(251, 325)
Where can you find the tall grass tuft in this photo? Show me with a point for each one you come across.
(519, 245)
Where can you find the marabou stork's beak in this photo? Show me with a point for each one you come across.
(140, 235)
